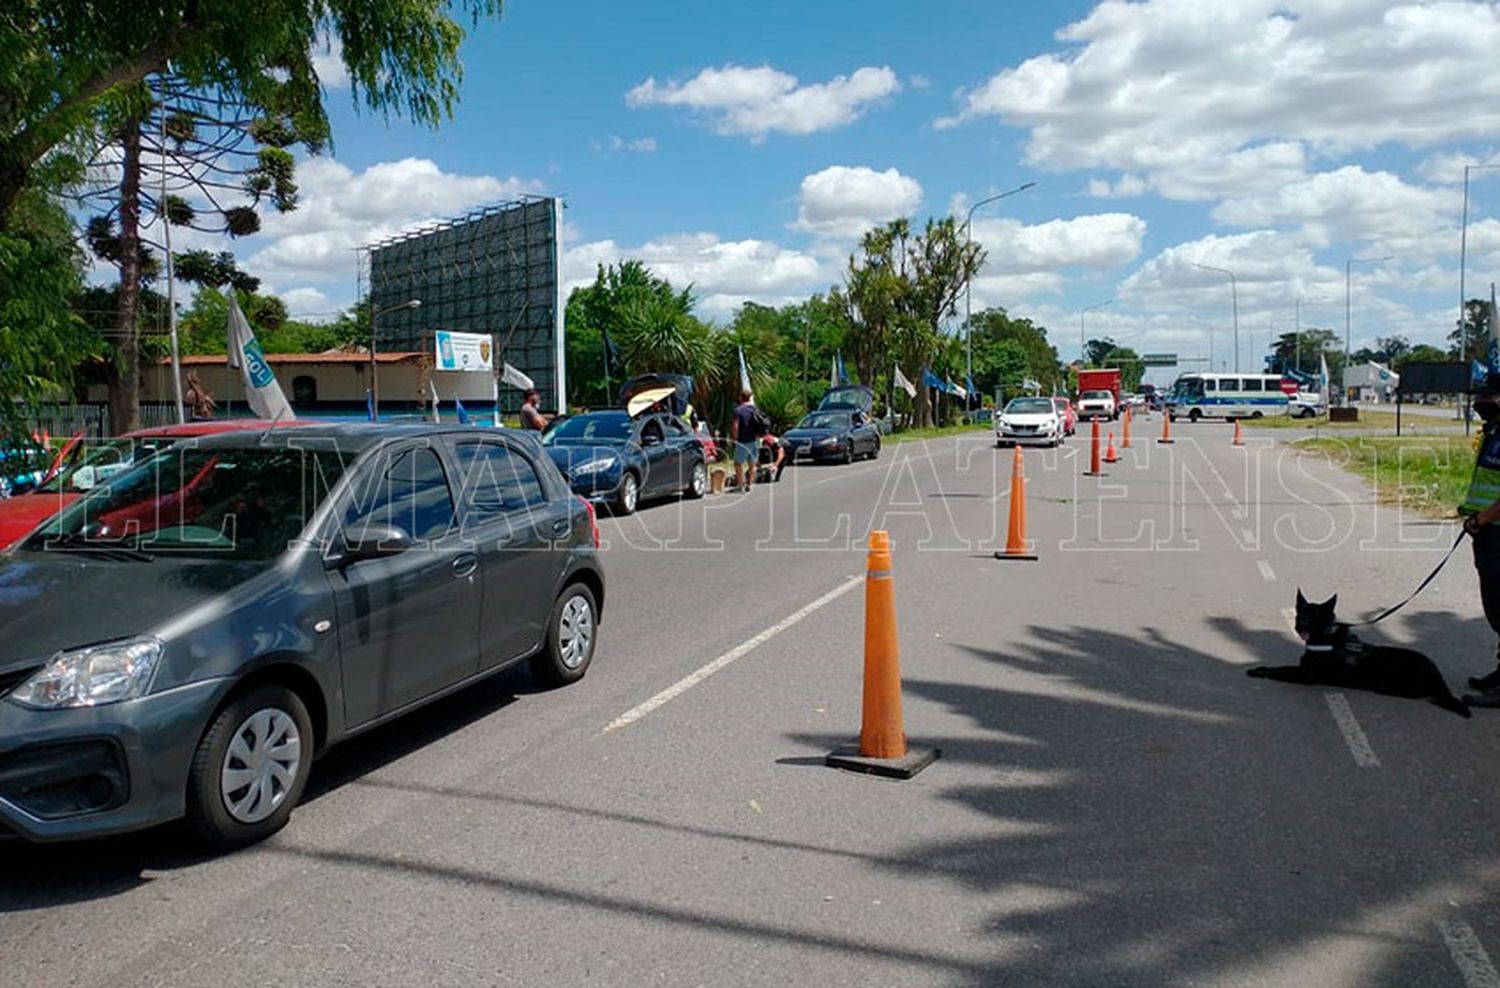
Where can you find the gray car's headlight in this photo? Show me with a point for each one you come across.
(89, 677)
(829, 441)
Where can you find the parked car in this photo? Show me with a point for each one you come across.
(83, 464)
(21, 470)
(1064, 408)
(326, 580)
(1096, 404)
(1305, 405)
(837, 434)
(612, 458)
(1029, 421)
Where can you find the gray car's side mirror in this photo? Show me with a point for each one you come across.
(373, 542)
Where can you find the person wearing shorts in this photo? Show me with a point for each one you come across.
(745, 429)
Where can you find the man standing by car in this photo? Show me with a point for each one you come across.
(746, 428)
(531, 417)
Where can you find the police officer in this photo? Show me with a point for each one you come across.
(1482, 521)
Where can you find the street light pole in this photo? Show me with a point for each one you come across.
(968, 281)
(1082, 340)
(375, 315)
(1234, 301)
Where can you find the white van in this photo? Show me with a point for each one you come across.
(1226, 396)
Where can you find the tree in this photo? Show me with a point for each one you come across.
(1108, 353)
(41, 269)
(60, 60)
(1302, 353)
(1470, 339)
(992, 327)
(1421, 353)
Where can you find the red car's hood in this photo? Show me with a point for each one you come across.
(19, 515)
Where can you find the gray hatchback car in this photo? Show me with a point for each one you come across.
(183, 641)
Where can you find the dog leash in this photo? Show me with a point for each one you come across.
(1420, 587)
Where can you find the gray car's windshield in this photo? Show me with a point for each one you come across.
(825, 420)
(594, 426)
(1029, 406)
(242, 504)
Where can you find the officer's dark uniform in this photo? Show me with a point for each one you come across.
(1484, 491)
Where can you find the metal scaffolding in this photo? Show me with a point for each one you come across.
(493, 270)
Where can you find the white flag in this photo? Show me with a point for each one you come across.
(833, 373)
(515, 378)
(1327, 384)
(262, 392)
(900, 381)
(436, 415)
(744, 372)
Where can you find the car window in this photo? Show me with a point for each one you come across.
(675, 426)
(1229, 384)
(594, 425)
(412, 493)
(651, 431)
(496, 479)
(1250, 384)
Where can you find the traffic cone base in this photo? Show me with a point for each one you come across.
(882, 748)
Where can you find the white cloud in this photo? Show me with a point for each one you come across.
(328, 62)
(844, 202)
(758, 101)
(309, 304)
(340, 209)
(1128, 187)
(1351, 204)
(640, 145)
(1100, 240)
(1172, 90)
(723, 273)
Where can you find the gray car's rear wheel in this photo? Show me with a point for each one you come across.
(571, 632)
(250, 767)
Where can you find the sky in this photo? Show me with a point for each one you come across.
(743, 147)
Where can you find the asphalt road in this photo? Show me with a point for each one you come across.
(1116, 803)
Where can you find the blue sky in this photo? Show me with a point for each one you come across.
(743, 146)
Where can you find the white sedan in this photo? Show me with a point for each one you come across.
(1029, 421)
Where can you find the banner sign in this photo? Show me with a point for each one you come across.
(464, 351)
(1159, 359)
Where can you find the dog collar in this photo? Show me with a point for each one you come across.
(1318, 648)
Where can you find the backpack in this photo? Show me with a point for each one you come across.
(762, 424)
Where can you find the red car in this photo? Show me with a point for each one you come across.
(82, 464)
(1064, 408)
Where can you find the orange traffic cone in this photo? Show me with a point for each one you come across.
(1110, 456)
(1239, 438)
(1015, 536)
(1166, 429)
(1094, 470)
(882, 747)
(1125, 430)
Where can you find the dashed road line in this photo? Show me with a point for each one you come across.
(1354, 735)
(739, 651)
(1266, 572)
(1469, 954)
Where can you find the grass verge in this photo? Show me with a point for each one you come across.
(1427, 474)
(932, 432)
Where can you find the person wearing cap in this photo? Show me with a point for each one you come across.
(1481, 511)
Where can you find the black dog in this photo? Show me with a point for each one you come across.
(1335, 657)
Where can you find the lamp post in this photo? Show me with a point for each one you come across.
(375, 315)
(1082, 340)
(1234, 301)
(1348, 282)
(968, 281)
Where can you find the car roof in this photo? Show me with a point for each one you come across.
(211, 427)
(356, 437)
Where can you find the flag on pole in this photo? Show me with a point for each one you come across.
(744, 372)
(515, 378)
(611, 356)
(969, 383)
(463, 413)
(931, 380)
(954, 389)
(1326, 385)
(899, 380)
(262, 392)
(437, 416)
(370, 405)
(833, 373)
(843, 374)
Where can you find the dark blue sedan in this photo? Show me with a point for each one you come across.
(612, 458)
(833, 435)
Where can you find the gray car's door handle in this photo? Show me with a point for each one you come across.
(465, 564)
(561, 527)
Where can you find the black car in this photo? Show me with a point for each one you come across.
(183, 639)
(833, 435)
(610, 457)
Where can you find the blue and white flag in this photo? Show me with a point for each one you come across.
(839, 362)
(744, 372)
(463, 413)
(969, 383)
(370, 405)
(262, 392)
(931, 380)
(437, 416)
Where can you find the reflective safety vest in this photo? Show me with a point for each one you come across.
(1484, 488)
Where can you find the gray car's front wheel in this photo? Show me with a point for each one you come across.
(698, 483)
(250, 767)
(628, 496)
(571, 632)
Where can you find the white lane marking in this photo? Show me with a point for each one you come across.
(1354, 736)
(1266, 572)
(739, 651)
(1003, 495)
(1468, 953)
